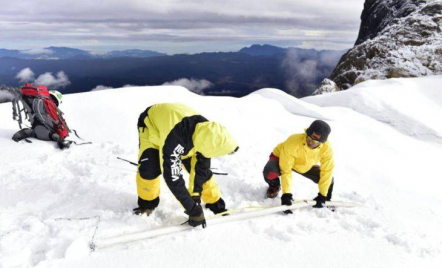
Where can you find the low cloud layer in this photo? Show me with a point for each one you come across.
(5, 96)
(194, 85)
(100, 87)
(60, 80)
(299, 71)
(25, 75)
(37, 51)
(163, 24)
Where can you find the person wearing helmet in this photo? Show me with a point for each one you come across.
(56, 97)
(43, 124)
(172, 135)
(301, 153)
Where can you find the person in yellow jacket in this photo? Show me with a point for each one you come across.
(301, 153)
(172, 135)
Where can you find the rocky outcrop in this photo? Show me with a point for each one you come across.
(397, 38)
(327, 86)
(377, 15)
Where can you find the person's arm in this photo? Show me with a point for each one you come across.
(286, 162)
(172, 151)
(202, 173)
(326, 175)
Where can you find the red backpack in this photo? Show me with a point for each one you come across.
(40, 109)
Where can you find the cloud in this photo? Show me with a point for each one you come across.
(194, 85)
(300, 71)
(100, 87)
(37, 51)
(134, 21)
(47, 79)
(5, 96)
(103, 87)
(25, 75)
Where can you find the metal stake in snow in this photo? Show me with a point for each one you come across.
(126, 238)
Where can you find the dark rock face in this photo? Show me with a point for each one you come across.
(379, 14)
(405, 43)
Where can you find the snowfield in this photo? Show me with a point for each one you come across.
(387, 140)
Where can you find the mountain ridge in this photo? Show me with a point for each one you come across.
(56, 53)
(231, 73)
(406, 44)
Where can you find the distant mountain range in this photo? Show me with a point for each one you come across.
(59, 53)
(293, 70)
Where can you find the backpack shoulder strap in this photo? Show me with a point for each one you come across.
(61, 118)
(41, 114)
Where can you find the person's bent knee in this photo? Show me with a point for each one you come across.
(150, 173)
(271, 171)
(211, 192)
(42, 133)
(149, 161)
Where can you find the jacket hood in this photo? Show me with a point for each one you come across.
(212, 139)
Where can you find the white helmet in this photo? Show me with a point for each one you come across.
(56, 96)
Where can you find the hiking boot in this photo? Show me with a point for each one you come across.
(64, 144)
(141, 211)
(217, 207)
(273, 191)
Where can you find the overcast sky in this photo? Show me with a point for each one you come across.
(178, 26)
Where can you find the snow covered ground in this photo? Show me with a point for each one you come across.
(387, 139)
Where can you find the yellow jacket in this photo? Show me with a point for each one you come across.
(179, 132)
(209, 138)
(295, 154)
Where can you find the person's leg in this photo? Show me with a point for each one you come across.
(314, 174)
(42, 133)
(23, 134)
(271, 176)
(148, 175)
(210, 194)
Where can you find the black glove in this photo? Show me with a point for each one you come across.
(320, 201)
(196, 216)
(286, 199)
(140, 211)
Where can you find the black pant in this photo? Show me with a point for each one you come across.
(272, 173)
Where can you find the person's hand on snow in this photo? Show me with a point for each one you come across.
(320, 201)
(196, 216)
(286, 199)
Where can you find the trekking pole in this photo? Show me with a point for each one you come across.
(222, 174)
(135, 164)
